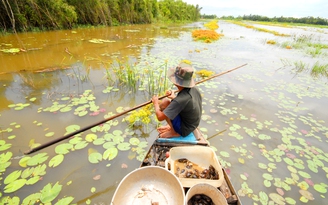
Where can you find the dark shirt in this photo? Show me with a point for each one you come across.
(187, 104)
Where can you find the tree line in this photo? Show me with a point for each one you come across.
(28, 15)
(304, 20)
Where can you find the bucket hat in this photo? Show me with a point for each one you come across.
(182, 75)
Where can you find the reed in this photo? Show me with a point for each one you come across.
(319, 70)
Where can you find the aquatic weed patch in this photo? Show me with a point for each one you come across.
(306, 43)
(209, 34)
(317, 70)
(212, 25)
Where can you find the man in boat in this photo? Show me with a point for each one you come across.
(183, 113)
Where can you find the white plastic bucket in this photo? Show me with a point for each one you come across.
(202, 156)
(208, 190)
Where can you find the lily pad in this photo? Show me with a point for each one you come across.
(95, 158)
(56, 160)
(65, 201)
(124, 146)
(14, 186)
(143, 144)
(11, 50)
(108, 145)
(33, 180)
(110, 153)
(91, 137)
(99, 141)
(224, 154)
(23, 162)
(134, 141)
(81, 145)
(63, 148)
(50, 134)
(49, 193)
(277, 198)
(72, 128)
(320, 188)
(4, 146)
(37, 159)
(40, 170)
(27, 172)
(12, 176)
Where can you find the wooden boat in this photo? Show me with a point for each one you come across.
(157, 155)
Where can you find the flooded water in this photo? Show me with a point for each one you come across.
(273, 122)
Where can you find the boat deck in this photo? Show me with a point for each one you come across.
(157, 155)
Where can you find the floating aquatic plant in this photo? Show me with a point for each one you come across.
(100, 41)
(11, 50)
(212, 25)
(141, 117)
(204, 73)
(206, 35)
(272, 42)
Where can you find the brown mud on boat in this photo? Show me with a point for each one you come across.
(159, 152)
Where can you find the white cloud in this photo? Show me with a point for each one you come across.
(286, 8)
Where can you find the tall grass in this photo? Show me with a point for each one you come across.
(139, 76)
(319, 70)
(316, 70)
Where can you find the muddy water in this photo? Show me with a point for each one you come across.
(274, 123)
(59, 49)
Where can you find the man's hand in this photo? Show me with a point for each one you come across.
(154, 99)
(170, 94)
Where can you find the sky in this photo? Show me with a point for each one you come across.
(285, 8)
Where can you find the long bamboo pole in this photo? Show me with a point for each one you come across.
(113, 117)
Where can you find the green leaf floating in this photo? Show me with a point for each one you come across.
(118, 139)
(32, 197)
(4, 157)
(50, 134)
(143, 144)
(72, 128)
(65, 201)
(263, 197)
(63, 148)
(12, 176)
(277, 198)
(81, 145)
(14, 186)
(27, 172)
(108, 145)
(99, 141)
(10, 50)
(124, 146)
(56, 160)
(110, 153)
(37, 159)
(91, 137)
(134, 141)
(40, 170)
(4, 146)
(95, 158)
(224, 154)
(320, 188)
(33, 180)
(48, 193)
